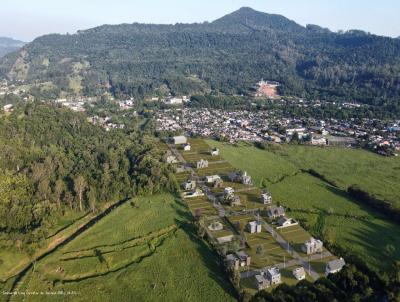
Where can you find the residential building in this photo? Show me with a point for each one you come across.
(334, 266)
(266, 198)
(312, 246)
(274, 275)
(179, 140)
(212, 179)
(229, 191)
(318, 140)
(201, 164)
(186, 147)
(216, 226)
(275, 212)
(171, 159)
(189, 185)
(254, 227)
(8, 108)
(214, 152)
(238, 259)
(299, 273)
(194, 193)
(262, 282)
(284, 222)
(240, 176)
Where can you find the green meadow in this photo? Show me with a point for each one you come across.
(143, 251)
(325, 210)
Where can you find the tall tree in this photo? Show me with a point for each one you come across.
(79, 187)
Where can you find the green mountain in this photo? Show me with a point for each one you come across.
(228, 56)
(8, 45)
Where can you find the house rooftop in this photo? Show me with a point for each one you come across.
(336, 264)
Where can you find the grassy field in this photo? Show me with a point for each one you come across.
(373, 173)
(143, 251)
(323, 209)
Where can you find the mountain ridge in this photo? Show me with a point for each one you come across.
(228, 55)
(8, 45)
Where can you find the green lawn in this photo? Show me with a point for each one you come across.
(145, 252)
(365, 235)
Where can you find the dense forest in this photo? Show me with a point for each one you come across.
(53, 162)
(227, 56)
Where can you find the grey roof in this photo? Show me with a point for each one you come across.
(260, 278)
(242, 254)
(231, 257)
(336, 264)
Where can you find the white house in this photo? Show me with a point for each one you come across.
(274, 275)
(284, 222)
(8, 108)
(179, 140)
(312, 246)
(186, 147)
(193, 194)
(299, 273)
(171, 159)
(212, 179)
(334, 266)
(201, 164)
(261, 281)
(317, 140)
(253, 227)
(229, 191)
(214, 152)
(266, 198)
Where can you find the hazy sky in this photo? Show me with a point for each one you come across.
(27, 19)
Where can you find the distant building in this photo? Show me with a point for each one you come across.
(186, 147)
(240, 176)
(262, 282)
(334, 266)
(312, 246)
(194, 193)
(274, 275)
(254, 227)
(171, 159)
(179, 140)
(284, 222)
(341, 141)
(216, 226)
(189, 185)
(238, 259)
(299, 273)
(229, 191)
(318, 140)
(8, 108)
(201, 164)
(275, 212)
(212, 179)
(266, 198)
(214, 152)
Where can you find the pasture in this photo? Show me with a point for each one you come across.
(143, 251)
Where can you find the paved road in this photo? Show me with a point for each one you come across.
(282, 265)
(286, 246)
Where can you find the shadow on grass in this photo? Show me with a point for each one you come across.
(208, 256)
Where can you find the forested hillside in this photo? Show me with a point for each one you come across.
(54, 163)
(228, 56)
(8, 45)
